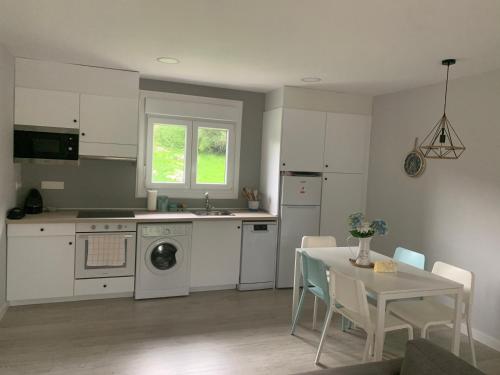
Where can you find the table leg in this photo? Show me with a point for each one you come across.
(457, 324)
(379, 330)
(296, 283)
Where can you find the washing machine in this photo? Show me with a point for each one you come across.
(163, 260)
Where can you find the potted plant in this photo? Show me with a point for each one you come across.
(364, 231)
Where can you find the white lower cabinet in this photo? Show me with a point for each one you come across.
(215, 254)
(342, 194)
(109, 285)
(40, 266)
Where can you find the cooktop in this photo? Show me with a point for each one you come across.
(104, 214)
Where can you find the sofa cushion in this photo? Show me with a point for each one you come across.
(390, 367)
(423, 357)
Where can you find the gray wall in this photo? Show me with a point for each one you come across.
(7, 175)
(451, 212)
(101, 184)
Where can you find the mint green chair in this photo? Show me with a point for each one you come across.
(314, 272)
(410, 257)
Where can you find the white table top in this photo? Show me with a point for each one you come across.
(407, 280)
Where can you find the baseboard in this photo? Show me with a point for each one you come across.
(483, 338)
(70, 299)
(211, 288)
(3, 309)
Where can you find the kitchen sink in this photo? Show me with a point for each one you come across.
(214, 213)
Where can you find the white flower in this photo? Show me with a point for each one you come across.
(364, 227)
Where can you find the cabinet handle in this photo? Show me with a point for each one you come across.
(284, 164)
(326, 165)
(71, 243)
(105, 286)
(326, 178)
(239, 227)
(75, 120)
(83, 134)
(42, 229)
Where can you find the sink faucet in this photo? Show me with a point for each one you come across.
(208, 206)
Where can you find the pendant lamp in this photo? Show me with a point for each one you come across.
(443, 142)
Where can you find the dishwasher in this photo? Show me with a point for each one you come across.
(258, 255)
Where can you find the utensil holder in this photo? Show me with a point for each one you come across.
(253, 205)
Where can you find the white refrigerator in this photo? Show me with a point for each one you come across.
(299, 216)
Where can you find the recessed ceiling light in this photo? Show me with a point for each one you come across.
(311, 79)
(168, 60)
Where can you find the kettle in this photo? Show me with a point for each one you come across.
(34, 202)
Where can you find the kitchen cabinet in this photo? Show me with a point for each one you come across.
(40, 261)
(50, 108)
(342, 194)
(347, 143)
(108, 126)
(302, 140)
(215, 254)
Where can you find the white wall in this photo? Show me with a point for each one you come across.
(7, 175)
(452, 212)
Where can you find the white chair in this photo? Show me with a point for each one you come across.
(350, 295)
(318, 241)
(430, 312)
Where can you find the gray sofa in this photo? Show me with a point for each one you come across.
(421, 358)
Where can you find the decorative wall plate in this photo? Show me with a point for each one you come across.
(414, 163)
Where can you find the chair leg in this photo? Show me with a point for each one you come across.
(326, 324)
(471, 343)
(423, 332)
(368, 347)
(315, 312)
(299, 310)
(410, 333)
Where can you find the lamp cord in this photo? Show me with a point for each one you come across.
(446, 89)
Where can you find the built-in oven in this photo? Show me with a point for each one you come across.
(105, 249)
(37, 144)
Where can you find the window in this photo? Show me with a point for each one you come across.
(188, 145)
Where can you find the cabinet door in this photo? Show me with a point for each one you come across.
(46, 108)
(302, 140)
(342, 195)
(40, 267)
(347, 143)
(106, 119)
(215, 254)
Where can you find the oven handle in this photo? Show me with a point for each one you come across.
(87, 236)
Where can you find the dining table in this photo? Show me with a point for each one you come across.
(407, 282)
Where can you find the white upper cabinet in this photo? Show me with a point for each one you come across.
(104, 103)
(111, 121)
(347, 143)
(36, 107)
(342, 194)
(302, 140)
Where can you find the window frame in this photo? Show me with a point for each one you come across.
(204, 111)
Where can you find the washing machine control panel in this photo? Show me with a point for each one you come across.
(160, 230)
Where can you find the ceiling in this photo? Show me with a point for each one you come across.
(356, 46)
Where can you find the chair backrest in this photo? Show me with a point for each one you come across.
(351, 294)
(459, 275)
(410, 257)
(318, 241)
(314, 272)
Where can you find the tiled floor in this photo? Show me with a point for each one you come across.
(206, 333)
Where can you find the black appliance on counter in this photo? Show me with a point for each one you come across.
(34, 202)
(38, 144)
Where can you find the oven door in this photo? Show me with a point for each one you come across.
(31, 145)
(108, 254)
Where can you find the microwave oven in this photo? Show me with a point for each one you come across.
(36, 144)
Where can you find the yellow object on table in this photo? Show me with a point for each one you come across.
(385, 266)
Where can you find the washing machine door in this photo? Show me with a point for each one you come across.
(164, 256)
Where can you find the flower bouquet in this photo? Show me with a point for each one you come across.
(365, 230)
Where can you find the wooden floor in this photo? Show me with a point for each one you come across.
(226, 332)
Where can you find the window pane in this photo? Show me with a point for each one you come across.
(169, 153)
(212, 156)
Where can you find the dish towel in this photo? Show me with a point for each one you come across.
(106, 251)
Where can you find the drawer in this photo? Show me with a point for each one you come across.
(37, 230)
(109, 285)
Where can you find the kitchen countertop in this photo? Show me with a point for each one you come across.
(64, 216)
